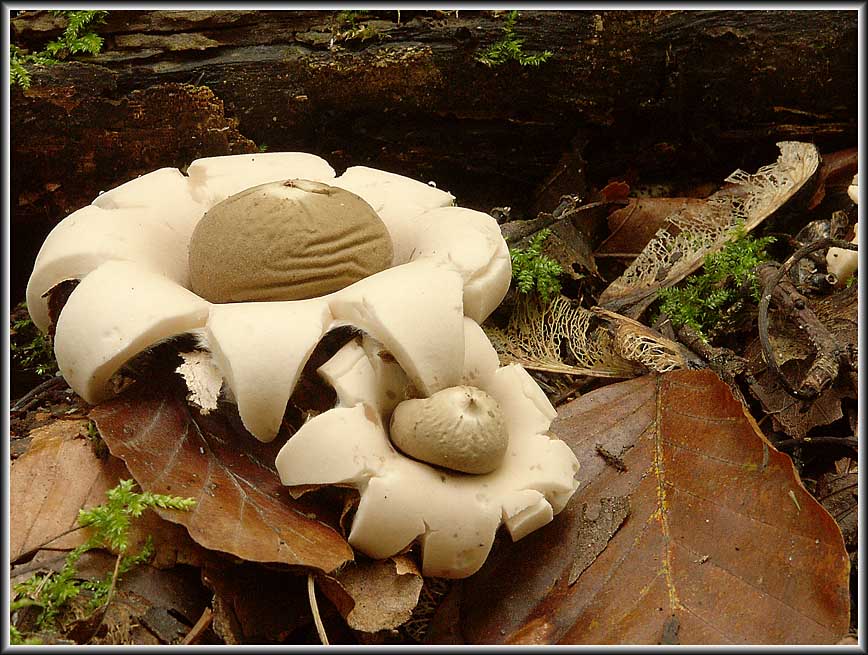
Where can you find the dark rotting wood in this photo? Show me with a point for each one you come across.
(653, 94)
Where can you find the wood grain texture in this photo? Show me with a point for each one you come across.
(656, 94)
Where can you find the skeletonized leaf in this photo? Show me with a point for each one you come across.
(600, 342)
(693, 232)
(722, 544)
(631, 227)
(242, 508)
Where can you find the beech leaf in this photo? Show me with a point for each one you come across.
(50, 483)
(722, 543)
(242, 508)
(59, 475)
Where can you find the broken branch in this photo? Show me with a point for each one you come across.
(829, 353)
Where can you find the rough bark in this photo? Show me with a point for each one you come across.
(655, 95)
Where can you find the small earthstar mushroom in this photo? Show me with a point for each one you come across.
(461, 428)
(840, 262)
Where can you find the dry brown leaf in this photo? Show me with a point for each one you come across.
(58, 476)
(50, 483)
(375, 595)
(722, 543)
(793, 416)
(568, 246)
(838, 492)
(615, 190)
(631, 227)
(242, 508)
(836, 172)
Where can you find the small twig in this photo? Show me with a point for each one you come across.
(36, 393)
(200, 627)
(99, 615)
(848, 487)
(575, 387)
(111, 591)
(515, 231)
(829, 352)
(616, 255)
(723, 361)
(44, 565)
(850, 442)
(311, 596)
(35, 549)
(845, 512)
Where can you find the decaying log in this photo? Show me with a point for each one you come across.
(654, 94)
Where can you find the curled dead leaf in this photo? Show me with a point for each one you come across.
(242, 508)
(631, 227)
(794, 354)
(597, 342)
(375, 595)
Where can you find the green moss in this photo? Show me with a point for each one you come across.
(77, 38)
(30, 350)
(510, 47)
(348, 28)
(17, 639)
(109, 526)
(533, 271)
(706, 298)
(348, 18)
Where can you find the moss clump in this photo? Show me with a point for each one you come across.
(510, 47)
(77, 38)
(707, 298)
(348, 28)
(30, 350)
(533, 271)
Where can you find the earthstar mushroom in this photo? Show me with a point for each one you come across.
(453, 515)
(419, 306)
